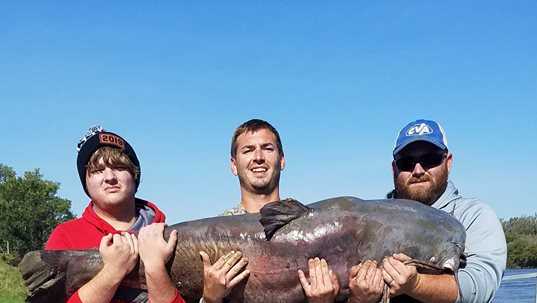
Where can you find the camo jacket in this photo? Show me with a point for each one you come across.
(237, 210)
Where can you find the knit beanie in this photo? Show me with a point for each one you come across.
(95, 138)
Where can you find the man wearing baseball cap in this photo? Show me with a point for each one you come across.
(109, 171)
(421, 165)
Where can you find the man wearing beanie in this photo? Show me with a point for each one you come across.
(110, 174)
(421, 166)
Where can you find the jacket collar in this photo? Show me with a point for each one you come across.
(450, 194)
(92, 217)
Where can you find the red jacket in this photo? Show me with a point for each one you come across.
(86, 233)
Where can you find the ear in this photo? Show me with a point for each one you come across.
(394, 169)
(282, 163)
(449, 161)
(233, 166)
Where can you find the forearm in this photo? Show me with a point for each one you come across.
(159, 285)
(435, 288)
(101, 288)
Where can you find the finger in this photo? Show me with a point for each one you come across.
(305, 283)
(236, 269)
(135, 243)
(238, 278)
(387, 277)
(389, 268)
(319, 274)
(376, 276)
(402, 257)
(232, 260)
(334, 280)
(311, 272)
(205, 259)
(401, 268)
(315, 275)
(354, 271)
(128, 241)
(326, 280)
(172, 241)
(117, 239)
(220, 262)
(371, 273)
(363, 271)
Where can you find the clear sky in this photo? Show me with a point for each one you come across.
(338, 80)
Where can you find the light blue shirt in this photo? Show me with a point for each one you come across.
(485, 247)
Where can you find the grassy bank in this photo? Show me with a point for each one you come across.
(12, 289)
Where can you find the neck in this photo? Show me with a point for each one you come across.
(120, 217)
(253, 202)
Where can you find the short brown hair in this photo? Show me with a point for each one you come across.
(252, 126)
(114, 158)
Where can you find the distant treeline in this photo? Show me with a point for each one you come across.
(521, 235)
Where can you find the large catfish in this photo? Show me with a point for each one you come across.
(278, 242)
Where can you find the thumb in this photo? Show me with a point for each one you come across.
(172, 241)
(304, 281)
(205, 259)
(105, 242)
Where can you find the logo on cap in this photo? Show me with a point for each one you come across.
(419, 130)
(110, 139)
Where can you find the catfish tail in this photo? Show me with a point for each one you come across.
(45, 282)
(54, 275)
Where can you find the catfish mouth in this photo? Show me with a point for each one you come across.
(448, 261)
(454, 257)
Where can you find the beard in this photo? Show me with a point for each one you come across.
(426, 195)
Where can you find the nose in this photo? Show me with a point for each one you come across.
(109, 175)
(259, 157)
(418, 170)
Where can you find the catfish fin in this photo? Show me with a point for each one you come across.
(277, 214)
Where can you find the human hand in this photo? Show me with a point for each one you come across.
(365, 282)
(322, 285)
(119, 253)
(220, 277)
(401, 278)
(154, 250)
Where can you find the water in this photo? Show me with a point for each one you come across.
(520, 291)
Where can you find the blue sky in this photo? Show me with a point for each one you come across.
(337, 80)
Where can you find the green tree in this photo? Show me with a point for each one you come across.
(29, 210)
(521, 236)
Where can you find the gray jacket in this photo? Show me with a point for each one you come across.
(485, 248)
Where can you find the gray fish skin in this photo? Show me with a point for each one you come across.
(343, 230)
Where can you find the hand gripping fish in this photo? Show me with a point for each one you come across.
(277, 242)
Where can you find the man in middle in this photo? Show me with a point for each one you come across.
(257, 159)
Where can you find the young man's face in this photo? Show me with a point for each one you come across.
(421, 172)
(110, 187)
(258, 161)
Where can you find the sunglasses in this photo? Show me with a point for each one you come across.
(426, 161)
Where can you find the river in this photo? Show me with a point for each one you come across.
(519, 291)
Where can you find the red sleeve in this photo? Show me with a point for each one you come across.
(57, 240)
(74, 298)
(177, 298)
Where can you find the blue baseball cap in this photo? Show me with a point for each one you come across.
(421, 130)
